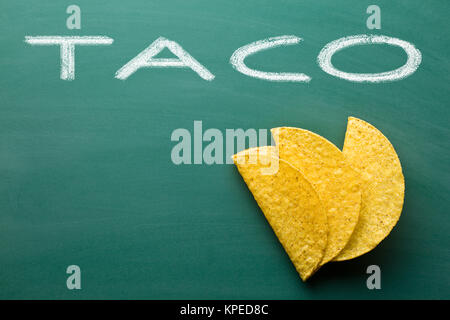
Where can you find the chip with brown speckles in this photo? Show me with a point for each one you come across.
(290, 204)
(337, 184)
(383, 188)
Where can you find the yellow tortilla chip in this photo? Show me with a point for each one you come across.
(336, 183)
(290, 205)
(371, 153)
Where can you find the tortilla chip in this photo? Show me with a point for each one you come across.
(290, 205)
(383, 188)
(337, 184)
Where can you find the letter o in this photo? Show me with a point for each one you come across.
(411, 65)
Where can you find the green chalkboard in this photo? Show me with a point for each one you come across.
(86, 176)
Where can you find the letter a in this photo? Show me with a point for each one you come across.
(374, 281)
(146, 59)
(74, 280)
(74, 20)
(374, 20)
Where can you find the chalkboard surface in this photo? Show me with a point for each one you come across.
(86, 176)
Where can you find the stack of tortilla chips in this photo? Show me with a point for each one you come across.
(325, 204)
